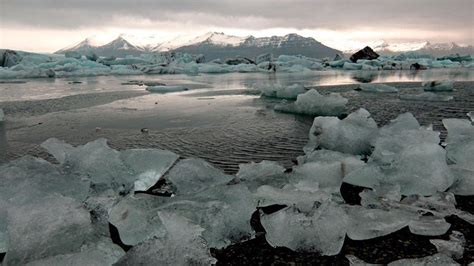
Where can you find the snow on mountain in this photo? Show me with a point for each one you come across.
(435, 49)
(215, 38)
(86, 44)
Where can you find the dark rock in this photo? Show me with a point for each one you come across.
(238, 61)
(338, 57)
(9, 58)
(367, 53)
(350, 193)
(50, 73)
(417, 66)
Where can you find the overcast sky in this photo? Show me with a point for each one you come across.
(48, 25)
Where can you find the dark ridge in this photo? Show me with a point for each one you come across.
(114, 234)
(401, 244)
(465, 203)
(2, 256)
(259, 252)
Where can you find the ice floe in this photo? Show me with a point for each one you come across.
(443, 85)
(314, 103)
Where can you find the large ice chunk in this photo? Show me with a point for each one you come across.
(454, 247)
(403, 151)
(323, 169)
(373, 87)
(351, 135)
(303, 198)
(60, 226)
(313, 103)
(443, 85)
(95, 160)
(181, 245)
(136, 218)
(284, 92)
(103, 252)
(265, 172)
(29, 180)
(367, 223)
(460, 151)
(148, 165)
(322, 229)
(195, 175)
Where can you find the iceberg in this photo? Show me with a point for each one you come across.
(373, 87)
(148, 165)
(454, 247)
(103, 252)
(182, 244)
(313, 103)
(96, 160)
(371, 223)
(443, 85)
(321, 230)
(60, 226)
(136, 218)
(403, 151)
(351, 135)
(290, 92)
(351, 66)
(195, 175)
(304, 199)
(460, 147)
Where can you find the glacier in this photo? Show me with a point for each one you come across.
(22, 64)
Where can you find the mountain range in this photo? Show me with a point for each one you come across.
(212, 45)
(215, 45)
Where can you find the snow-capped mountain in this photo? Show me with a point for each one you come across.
(215, 38)
(434, 49)
(212, 45)
(219, 45)
(118, 47)
(85, 45)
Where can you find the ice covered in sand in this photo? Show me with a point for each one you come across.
(314, 103)
(373, 87)
(426, 96)
(166, 89)
(443, 85)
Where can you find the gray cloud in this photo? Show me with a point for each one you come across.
(247, 14)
